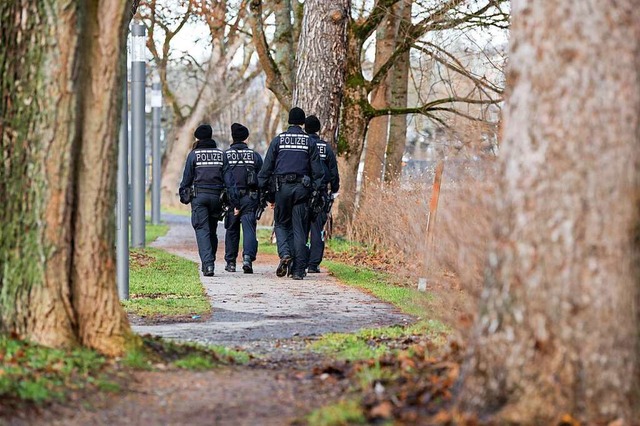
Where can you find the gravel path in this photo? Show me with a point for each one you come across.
(251, 310)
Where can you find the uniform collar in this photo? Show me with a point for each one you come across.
(239, 145)
(314, 136)
(206, 143)
(296, 128)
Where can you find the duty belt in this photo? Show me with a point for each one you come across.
(208, 190)
(289, 178)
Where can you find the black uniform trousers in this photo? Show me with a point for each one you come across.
(316, 237)
(246, 219)
(206, 210)
(292, 224)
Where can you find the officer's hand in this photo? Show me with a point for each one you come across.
(236, 211)
(334, 195)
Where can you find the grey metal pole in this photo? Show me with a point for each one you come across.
(138, 74)
(122, 212)
(156, 108)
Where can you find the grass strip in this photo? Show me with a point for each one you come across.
(161, 283)
(341, 413)
(188, 356)
(153, 232)
(32, 373)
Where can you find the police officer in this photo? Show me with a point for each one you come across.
(206, 174)
(245, 164)
(293, 164)
(331, 177)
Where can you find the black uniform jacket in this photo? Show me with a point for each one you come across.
(292, 152)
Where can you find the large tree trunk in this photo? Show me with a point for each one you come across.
(321, 63)
(399, 84)
(60, 88)
(356, 113)
(392, 91)
(376, 139)
(558, 325)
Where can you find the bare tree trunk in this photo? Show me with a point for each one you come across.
(57, 172)
(376, 139)
(558, 326)
(356, 113)
(268, 118)
(399, 84)
(321, 62)
(384, 95)
(283, 42)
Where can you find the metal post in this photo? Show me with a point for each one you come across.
(138, 74)
(156, 108)
(122, 212)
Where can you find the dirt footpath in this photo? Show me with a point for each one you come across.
(251, 310)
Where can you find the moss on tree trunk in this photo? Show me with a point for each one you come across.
(60, 93)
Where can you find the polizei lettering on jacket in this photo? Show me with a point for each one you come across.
(240, 156)
(294, 141)
(322, 149)
(208, 157)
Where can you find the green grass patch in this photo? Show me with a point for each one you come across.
(191, 356)
(342, 245)
(264, 241)
(164, 284)
(194, 362)
(410, 301)
(341, 413)
(36, 374)
(374, 343)
(153, 232)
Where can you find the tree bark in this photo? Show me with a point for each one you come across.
(356, 113)
(321, 63)
(399, 88)
(557, 329)
(60, 80)
(376, 138)
(283, 42)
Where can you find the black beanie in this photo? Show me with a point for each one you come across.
(312, 124)
(203, 131)
(239, 133)
(296, 116)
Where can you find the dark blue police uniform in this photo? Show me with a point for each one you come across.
(332, 178)
(207, 171)
(293, 162)
(245, 164)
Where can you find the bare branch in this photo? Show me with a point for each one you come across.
(457, 67)
(274, 79)
(431, 106)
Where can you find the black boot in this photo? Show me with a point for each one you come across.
(283, 267)
(208, 271)
(247, 267)
(313, 270)
(231, 267)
